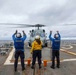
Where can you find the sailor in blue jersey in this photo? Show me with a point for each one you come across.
(19, 48)
(55, 49)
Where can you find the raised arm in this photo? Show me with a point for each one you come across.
(50, 36)
(13, 36)
(58, 34)
(24, 35)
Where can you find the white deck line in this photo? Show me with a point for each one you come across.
(66, 60)
(7, 62)
(70, 47)
(74, 59)
(9, 57)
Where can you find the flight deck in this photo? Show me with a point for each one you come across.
(67, 65)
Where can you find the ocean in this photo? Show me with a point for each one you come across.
(63, 40)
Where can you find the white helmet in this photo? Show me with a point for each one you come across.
(56, 36)
(18, 35)
(37, 37)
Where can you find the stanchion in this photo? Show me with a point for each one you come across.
(28, 62)
(45, 63)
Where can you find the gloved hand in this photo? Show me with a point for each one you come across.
(31, 53)
(50, 32)
(24, 33)
(57, 32)
(16, 32)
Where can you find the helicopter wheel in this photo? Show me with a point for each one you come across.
(29, 44)
(45, 44)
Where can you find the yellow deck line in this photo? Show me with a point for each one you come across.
(69, 52)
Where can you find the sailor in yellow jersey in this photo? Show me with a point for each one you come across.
(36, 51)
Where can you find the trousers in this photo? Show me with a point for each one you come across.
(36, 54)
(22, 56)
(55, 53)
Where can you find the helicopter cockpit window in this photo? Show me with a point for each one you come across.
(40, 33)
(32, 33)
(43, 35)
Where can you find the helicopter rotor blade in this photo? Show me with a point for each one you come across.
(12, 24)
(69, 24)
(36, 25)
(29, 25)
(19, 27)
(25, 26)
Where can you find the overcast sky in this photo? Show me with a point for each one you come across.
(52, 13)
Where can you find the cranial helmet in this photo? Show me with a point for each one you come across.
(18, 35)
(37, 37)
(56, 36)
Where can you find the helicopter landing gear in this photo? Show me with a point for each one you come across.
(29, 44)
(45, 44)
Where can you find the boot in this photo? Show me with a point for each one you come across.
(15, 70)
(58, 66)
(40, 67)
(32, 67)
(52, 67)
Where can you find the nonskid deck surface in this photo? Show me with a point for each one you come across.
(67, 67)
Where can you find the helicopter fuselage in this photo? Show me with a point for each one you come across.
(41, 33)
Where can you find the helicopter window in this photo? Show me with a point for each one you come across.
(43, 30)
(32, 33)
(40, 33)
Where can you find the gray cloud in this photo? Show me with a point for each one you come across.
(48, 12)
(57, 14)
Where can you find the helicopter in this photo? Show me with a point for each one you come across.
(33, 32)
(37, 31)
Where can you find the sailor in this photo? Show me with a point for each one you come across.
(55, 49)
(19, 48)
(36, 51)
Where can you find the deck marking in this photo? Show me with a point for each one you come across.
(9, 57)
(8, 62)
(48, 61)
(74, 59)
(65, 60)
(74, 44)
(70, 47)
(69, 52)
